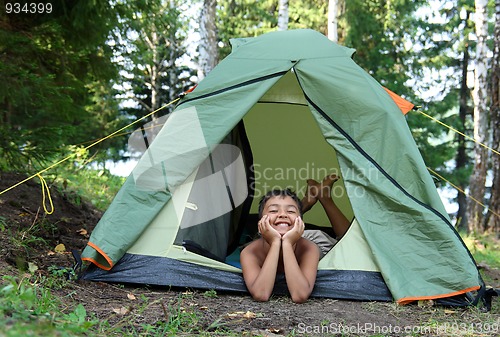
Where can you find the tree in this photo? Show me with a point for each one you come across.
(333, 20)
(478, 178)
(51, 66)
(461, 159)
(283, 15)
(443, 51)
(209, 56)
(493, 218)
(149, 46)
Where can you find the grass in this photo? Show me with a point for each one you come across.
(29, 309)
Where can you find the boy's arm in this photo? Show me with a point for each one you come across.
(301, 266)
(300, 271)
(259, 275)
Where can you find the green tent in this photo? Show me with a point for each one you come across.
(281, 108)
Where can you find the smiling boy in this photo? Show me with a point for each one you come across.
(281, 247)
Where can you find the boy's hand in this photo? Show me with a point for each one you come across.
(293, 235)
(267, 231)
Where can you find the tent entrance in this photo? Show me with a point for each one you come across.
(288, 147)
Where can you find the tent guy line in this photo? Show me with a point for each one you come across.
(460, 133)
(462, 191)
(113, 134)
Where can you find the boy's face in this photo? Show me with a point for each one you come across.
(282, 212)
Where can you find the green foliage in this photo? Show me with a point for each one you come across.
(378, 31)
(59, 277)
(485, 248)
(78, 181)
(149, 44)
(244, 18)
(31, 310)
(308, 14)
(212, 293)
(3, 223)
(46, 64)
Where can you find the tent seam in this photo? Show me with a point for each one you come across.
(239, 85)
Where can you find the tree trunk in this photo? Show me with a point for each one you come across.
(493, 217)
(333, 20)
(155, 75)
(461, 158)
(283, 15)
(208, 38)
(478, 178)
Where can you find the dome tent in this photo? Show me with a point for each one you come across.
(281, 108)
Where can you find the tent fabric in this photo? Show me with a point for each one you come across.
(294, 80)
(136, 269)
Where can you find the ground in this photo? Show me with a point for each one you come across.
(33, 242)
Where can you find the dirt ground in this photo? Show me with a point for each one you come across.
(23, 225)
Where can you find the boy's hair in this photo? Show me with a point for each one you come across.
(279, 193)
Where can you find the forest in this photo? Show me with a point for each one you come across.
(77, 71)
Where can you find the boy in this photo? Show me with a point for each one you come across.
(281, 248)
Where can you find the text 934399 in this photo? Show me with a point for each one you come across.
(28, 7)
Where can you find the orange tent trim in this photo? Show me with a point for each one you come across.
(110, 263)
(407, 300)
(403, 104)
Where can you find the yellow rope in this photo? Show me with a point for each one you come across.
(124, 133)
(45, 189)
(38, 174)
(462, 191)
(460, 133)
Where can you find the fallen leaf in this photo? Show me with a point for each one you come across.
(131, 296)
(249, 315)
(203, 308)
(447, 311)
(242, 314)
(122, 311)
(234, 314)
(60, 248)
(23, 214)
(273, 330)
(32, 267)
(82, 231)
